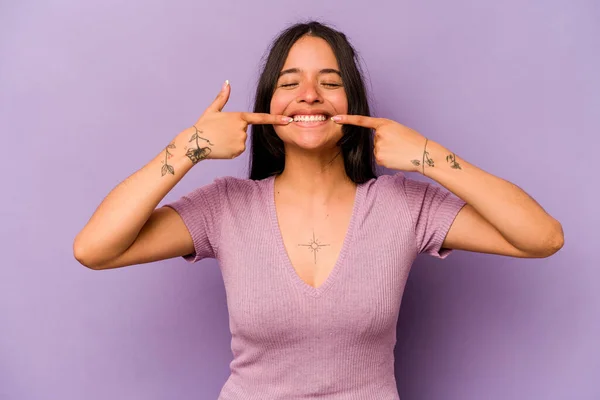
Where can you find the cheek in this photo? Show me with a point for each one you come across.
(339, 101)
(279, 102)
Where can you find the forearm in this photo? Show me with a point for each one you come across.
(515, 214)
(117, 221)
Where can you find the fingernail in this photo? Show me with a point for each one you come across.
(336, 118)
(225, 84)
(287, 119)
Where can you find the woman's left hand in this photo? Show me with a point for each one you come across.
(395, 146)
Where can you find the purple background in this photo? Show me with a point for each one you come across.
(90, 91)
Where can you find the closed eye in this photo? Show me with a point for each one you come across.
(285, 85)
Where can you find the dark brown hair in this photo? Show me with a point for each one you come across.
(267, 155)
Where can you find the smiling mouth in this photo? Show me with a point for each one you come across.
(310, 119)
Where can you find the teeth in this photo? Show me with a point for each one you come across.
(309, 118)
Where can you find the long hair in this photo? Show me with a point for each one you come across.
(267, 155)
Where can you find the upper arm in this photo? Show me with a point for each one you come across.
(471, 232)
(163, 236)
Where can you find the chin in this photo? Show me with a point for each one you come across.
(310, 138)
(313, 141)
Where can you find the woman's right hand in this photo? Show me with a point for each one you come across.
(222, 135)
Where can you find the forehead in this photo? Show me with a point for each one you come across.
(310, 54)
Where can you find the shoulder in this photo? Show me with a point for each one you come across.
(400, 184)
(389, 180)
(398, 189)
(385, 185)
(234, 184)
(235, 190)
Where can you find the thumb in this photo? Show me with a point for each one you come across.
(218, 104)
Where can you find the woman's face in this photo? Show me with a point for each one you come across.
(310, 89)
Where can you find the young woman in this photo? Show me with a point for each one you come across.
(314, 248)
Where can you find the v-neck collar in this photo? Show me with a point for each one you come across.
(284, 256)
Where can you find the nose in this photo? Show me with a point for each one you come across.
(309, 93)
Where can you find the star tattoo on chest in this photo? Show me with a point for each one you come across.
(314, 246)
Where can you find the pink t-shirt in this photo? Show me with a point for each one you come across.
(334, 342)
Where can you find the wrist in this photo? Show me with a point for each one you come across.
(426, 161)
(431, 151)
(180, 154)
(438, 159)
(193, 146)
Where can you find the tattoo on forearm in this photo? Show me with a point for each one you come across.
(451, 158)
(166, 168)
(426, 159)
(416, 162)
(198, 153)
(314, 246)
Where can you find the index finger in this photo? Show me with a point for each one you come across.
(358, 120)
(264, 118)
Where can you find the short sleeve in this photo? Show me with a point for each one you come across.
(201, 214)
(433, 209)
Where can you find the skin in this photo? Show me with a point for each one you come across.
(499, 217)
(313, 161)
(313, 195)
(307, 81)
(127, 228)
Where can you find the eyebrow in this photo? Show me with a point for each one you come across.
(298, 70)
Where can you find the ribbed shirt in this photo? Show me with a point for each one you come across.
(334, 342)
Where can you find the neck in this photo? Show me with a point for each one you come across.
(316, 176)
